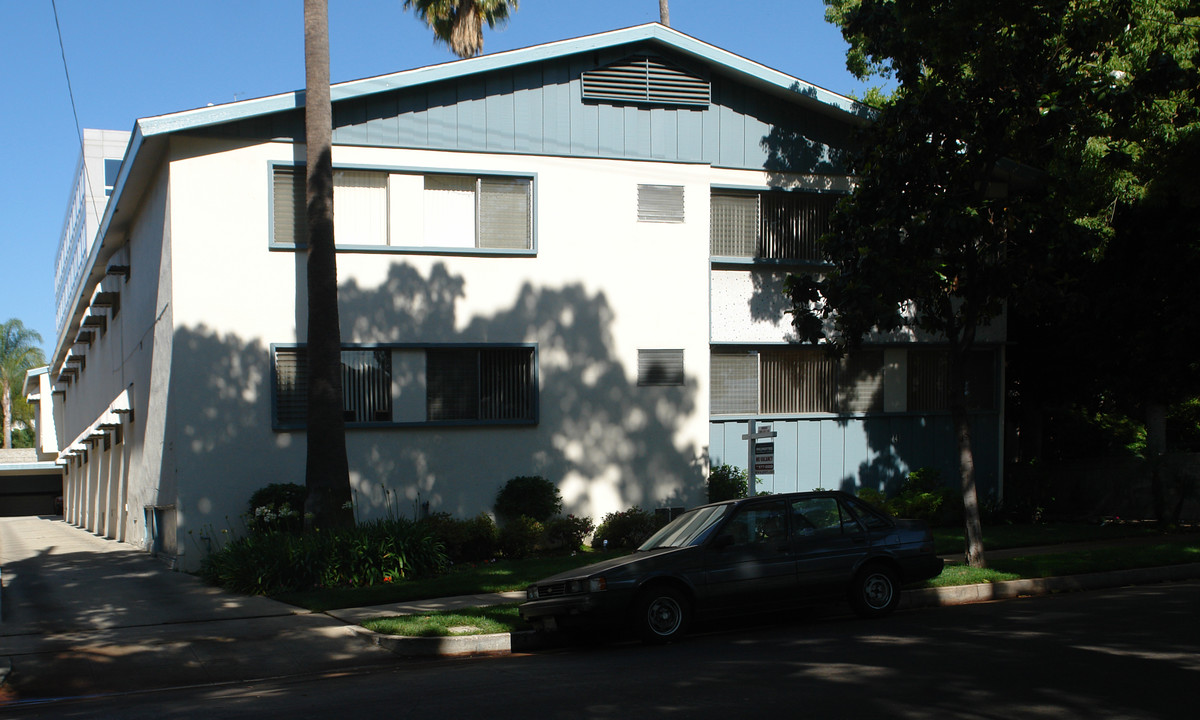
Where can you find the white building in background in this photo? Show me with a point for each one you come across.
(563, 260)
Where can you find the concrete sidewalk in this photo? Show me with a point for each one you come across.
(80, 615)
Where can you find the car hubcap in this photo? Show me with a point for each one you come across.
(664, 615)
(877, 591)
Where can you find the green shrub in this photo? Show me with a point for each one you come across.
(277, 507)
(875, 498)
(567, 532)
(470, 540)
(726, 482)
(626, 529)
(532, 496)
(924, 497)
(520, 537)
(271, 562)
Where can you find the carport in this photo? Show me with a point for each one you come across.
(29, 486)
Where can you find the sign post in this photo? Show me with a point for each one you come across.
(760, 458)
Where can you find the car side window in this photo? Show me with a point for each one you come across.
(757, 524)
(868, 515)
(820, 516)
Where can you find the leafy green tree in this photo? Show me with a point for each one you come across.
(459, 23)
(1128, 177)
(949, 218)
(19, 352)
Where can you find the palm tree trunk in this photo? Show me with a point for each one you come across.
(664, 13)
(327, 475)
(6, 402)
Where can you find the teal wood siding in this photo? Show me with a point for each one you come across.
(538, 109)
(850, 453)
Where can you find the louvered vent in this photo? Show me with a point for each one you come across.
(645, 80)
(660, 367)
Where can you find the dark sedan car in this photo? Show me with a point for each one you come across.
(743, 556)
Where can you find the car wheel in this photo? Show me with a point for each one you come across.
(875, 591)
(661, 614)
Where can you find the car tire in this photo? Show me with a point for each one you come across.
(661, 614)
(875, 591)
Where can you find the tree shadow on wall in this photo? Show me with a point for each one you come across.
(603, 439)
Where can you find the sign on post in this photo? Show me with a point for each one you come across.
(752, 454)
(764, 458)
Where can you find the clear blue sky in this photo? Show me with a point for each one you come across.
(129, 59)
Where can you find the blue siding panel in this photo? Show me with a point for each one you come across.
(637, 132)
(732, 152)
(527, 110)
(443, 117)
(664, 134)
(585, 137)
(500, 112)
(412, 125)
(808, 454)
(710, 148)
(786, 456)
(472, 115)
(833, 467)
(611, 130)
(754, 130)
(690, 140)
(350, 121)
(383, 120)
(856, 454)
(875, 452)
(557, 109)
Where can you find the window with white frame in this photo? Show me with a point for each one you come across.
(442, 384)
(771, 225)
(412, 211)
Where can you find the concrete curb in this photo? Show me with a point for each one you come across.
(1009, 589)
(503, 643)
(454, 646)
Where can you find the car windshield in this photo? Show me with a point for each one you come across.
(689, 528)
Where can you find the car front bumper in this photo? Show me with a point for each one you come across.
(578, 610)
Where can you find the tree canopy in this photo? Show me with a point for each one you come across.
(20, 352)
(990, 179)
(459, 23)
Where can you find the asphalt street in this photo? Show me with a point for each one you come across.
(1124, 653)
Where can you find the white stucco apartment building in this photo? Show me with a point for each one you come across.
(563, 260)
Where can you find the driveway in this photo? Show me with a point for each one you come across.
(82, 615)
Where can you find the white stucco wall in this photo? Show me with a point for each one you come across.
(601, 286)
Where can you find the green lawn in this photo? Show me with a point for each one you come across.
(950, 540)
(468, 621)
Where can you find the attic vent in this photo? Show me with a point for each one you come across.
(645, 80)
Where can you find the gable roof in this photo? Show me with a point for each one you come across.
(749, 72)
(783, 93)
